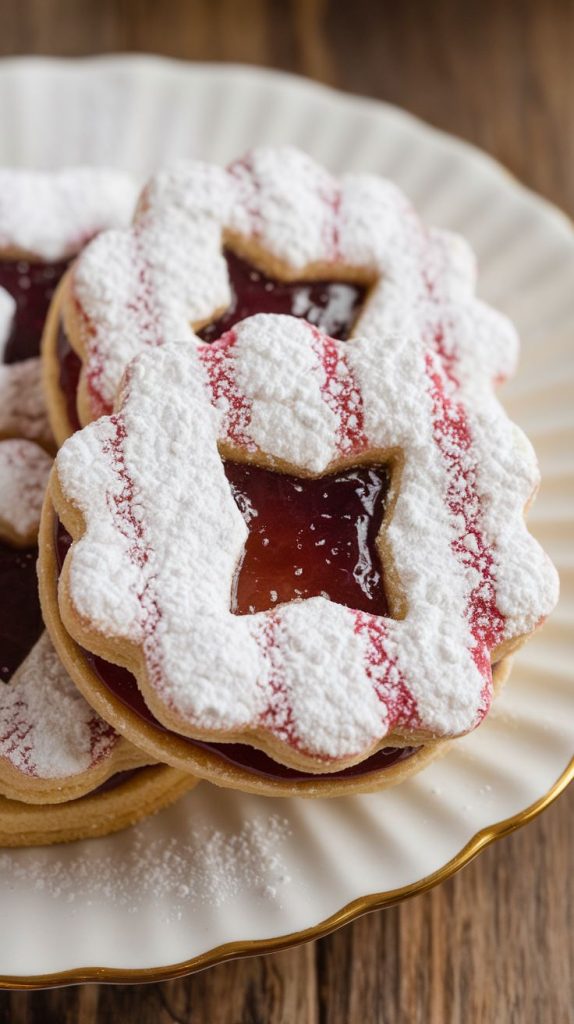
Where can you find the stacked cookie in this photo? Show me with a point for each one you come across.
(64, 772)
(282, 545)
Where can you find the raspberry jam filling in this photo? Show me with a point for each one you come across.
(331, 305)
(20, 616)
(31, 285)
(69, 376)
(309, 537)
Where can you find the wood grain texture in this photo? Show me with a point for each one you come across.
(495, 944)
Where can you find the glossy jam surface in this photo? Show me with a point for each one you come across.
(331, 305)
(309, 538)
(20, 617)
(32, 286)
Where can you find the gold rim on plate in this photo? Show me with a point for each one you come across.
(356, 908)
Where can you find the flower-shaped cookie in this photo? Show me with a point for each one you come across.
(167, 276)
(157, 538)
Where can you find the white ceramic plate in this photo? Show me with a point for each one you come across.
(223, 874)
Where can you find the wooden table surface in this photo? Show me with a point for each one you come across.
(495, 944)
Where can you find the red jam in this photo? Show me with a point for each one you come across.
(69, 379)
(309, 537)
(20, 616)
(331, 305)
(32, 286)
(114, 781)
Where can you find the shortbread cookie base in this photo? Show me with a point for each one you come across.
(175, 750)
(96, 815)
(281, 210)
(428, 677)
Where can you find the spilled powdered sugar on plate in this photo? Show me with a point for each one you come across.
(206, 866)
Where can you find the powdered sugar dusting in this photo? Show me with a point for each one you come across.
(51, 215)
(22, 407)
(219, 363)
(295, 222)
(47, 729)
(341, 394)
(24, 471)
(276, 367)
(202, 866)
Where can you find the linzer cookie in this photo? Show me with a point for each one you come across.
(273, 233)
(161, 527)
(64, 772)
